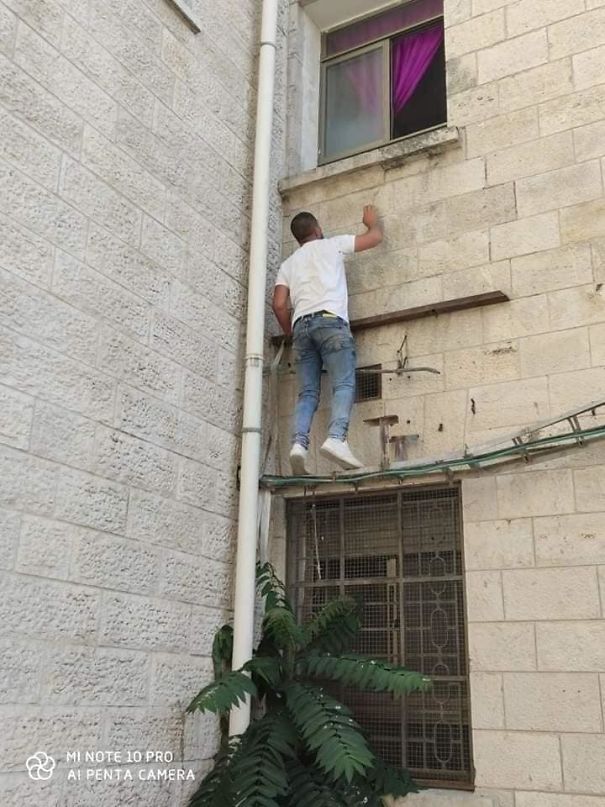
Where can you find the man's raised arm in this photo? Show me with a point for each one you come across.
(374, 235)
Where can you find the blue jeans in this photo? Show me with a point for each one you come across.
(327, 342)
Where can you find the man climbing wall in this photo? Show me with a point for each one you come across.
(310, 302)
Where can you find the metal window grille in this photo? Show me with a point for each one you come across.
(400, 554)
(368, 385)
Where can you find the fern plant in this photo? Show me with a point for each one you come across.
(304, 748)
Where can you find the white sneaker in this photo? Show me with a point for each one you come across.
(339, 451)
(298, 456)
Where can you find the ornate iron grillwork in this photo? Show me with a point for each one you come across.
(400, 554)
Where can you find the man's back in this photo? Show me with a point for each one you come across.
(315, 276)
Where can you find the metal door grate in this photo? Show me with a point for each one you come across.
(400, 554)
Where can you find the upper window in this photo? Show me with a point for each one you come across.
(383, 77)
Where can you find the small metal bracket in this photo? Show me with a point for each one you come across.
(384, 423)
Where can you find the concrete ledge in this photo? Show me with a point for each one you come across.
(390, 156)
(187, 13)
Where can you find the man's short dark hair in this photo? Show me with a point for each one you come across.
(303, 225)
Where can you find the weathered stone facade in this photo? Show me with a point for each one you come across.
(125, 162)
(513, 202)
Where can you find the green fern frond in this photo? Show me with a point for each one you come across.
(364, 673)
(271, 587)
(308, 788)
(222, 650)
(280, 627)
(329, 732)
(221, 695)
(335, 626)
(389, 781)
(258, 768)
(215, 789)
(266, 671)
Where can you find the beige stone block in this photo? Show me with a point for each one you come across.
(461, 73)
(541, 594)
(555, 352)
(517, 760)
(475, 104)
(476, 33)
(561, 188)
(577, 34)
(535, 493)
(484, 597)
(461, 214)
(501, 647)
(511, 403)
(588, 68)
(526, 236)
(434, 797)
(457, 11)
(590, 489)
(438, 182)
(537, 85)
(479, 279)
(583, 222)
(512, 56)
(501, 132)
(581, 107)
(522, 317)
(557, 800)
(526, 15)
(487, 701)
(551, 270)
(498, 362)
(479, 498)
(552, 702)
(504, 544)
(467, 250)
(597, 344)
(598, 259)
(426, 336)
(589, 141)
(571, 646)
(528, 159)
(583, 305)
(483, 6)
(444, 418)
(570, 540)
(583, 768)
(577, 389)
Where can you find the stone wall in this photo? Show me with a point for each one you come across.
(125, 170)
(517, 205)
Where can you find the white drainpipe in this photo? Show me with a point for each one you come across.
(245, 575)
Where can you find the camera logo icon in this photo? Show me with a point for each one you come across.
(40, 766)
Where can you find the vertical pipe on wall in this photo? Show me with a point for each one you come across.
(245, 573)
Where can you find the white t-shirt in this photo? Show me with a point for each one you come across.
(315, 276)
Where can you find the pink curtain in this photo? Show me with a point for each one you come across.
(412, 56)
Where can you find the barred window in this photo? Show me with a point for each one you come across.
(400, 554)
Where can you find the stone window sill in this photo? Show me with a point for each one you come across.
(187, 13)
(390, 156)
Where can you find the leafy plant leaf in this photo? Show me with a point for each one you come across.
(280, 627)
(271, 588)
(335, 626)
(364, 673)
(221, 695)
(329, 732)
(215, 789)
